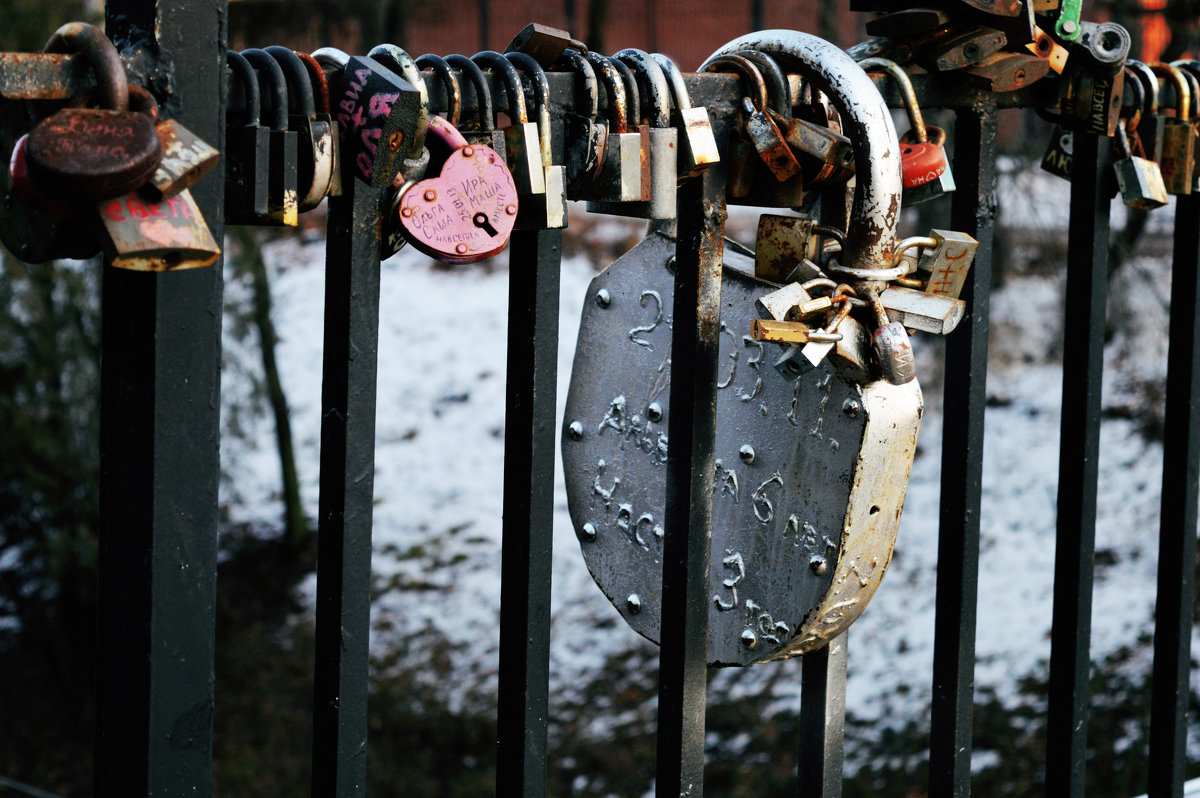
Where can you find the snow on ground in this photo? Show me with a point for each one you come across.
(439, 460)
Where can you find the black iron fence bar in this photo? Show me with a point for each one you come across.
(964, 399)
(343, 612)
(535, 260)
(683, 640)
(1177, 535)
(822, 721)
(160, 428)
(1079, 448)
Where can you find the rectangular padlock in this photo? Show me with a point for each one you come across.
(922, 311)
(186, 159)
(948, 262)
(780, 244)
(157, 236)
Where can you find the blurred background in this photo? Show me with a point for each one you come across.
(437, 526)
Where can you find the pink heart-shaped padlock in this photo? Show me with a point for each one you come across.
(467, 212)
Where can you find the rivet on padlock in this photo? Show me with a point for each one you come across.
(93, 153)
(925, 169)
(548, 210)
(467, 212)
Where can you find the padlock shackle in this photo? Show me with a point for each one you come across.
(397, 59)
(240, 70)
(653, 82)
(907, 94)
(445, 132)
(300, 90)
(633, 97)
(1183, 93)
(614, 90)
(483, 92)
(331, 57)
(277, 83)
(91, 43)
(1149, 82)
(575, 61)
(449, 84)
(679, 92)
(1139, 99)
(866, 121)
(496, 62)
(1187, 68)
(745, 68)
(318, 80)
(541, 92)
(778, 92)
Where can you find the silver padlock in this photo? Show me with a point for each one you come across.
(918, 310)
(697, 144)
(620, 175)
(523, 149)
(546, 211)
(661, 165)
(947, 261)
(891, 346)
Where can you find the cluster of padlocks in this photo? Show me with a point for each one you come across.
(813, 455)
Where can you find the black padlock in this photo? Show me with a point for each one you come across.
(283, 203)
(314, 137)
(247, 146)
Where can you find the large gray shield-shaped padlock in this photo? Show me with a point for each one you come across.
(810, 473)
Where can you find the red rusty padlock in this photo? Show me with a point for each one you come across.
(467, 212)
(25, 189)
(924, 161)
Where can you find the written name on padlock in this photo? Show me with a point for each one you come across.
(158, 236)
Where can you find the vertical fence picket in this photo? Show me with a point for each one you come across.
(1078, 472)
(1177, 535)
(690, 462)
(343, 612)
(535, 260)
(822, 721)
(160, 430)
(965, 394)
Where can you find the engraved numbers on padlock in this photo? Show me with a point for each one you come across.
(467, 212)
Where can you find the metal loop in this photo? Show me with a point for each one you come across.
(778, 91)
(517, 109)
(483, 92)
(614, 89)
(907, 94)
(745, 68)
(679, 92)
(1149, 83)
(241, 71)
(300, 93)
(633, 97)
(541, 92)
(277, 86)
(91, 43)
(654, 81)
(577, 62)
(1183, 94)
(449, 84)
(318, 80)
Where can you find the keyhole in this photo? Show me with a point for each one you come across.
(481, 221)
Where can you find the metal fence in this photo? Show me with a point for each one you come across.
(160, 436)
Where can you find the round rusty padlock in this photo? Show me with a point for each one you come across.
(923, 161)
(467, 212)
(89, 154)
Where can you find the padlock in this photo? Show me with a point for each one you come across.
(481, 130)
(467, 212)
(283, 198)
(379, 115)
(548, 210)
(314, 137)
(1191, 70)
(157, 236)
(449, 82)
(523, 150)
(93, 153)
(1150, 128)
(247, 146)
(544, 44)
(921, 310)
(401, 63)
(759, 128)
(319, 81)
(1139, 180)
(619, 178)
(960, 47)
(925, 169)
(816, 135)
(1057, 158)
(780, 244)
(1178, 138)
(1090, 94)
(947, 262)
(584, 133)
(636, 120)
(1004, 72)
(186, 156)
(659, 143)
(891, 346)
(697, 143)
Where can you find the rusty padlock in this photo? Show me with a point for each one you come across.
(467, 212)
(93, 153)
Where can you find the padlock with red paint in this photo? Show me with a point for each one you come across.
(467, 212)
(924, 167)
